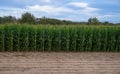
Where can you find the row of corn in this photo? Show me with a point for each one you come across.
(59, 38)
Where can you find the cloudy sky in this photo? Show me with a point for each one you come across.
(75, 10)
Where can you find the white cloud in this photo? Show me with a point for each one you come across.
(60, 9)
(105, 16)
(52, 10)
(34, 1)
(5, 11)
(37, 10)
(113, 17)
(79, 4)
(84, 7)
(48, 9)
(47, 1)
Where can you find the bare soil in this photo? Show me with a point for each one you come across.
(59, 63)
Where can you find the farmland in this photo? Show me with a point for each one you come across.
(59, 38)
(59, 63)
(59, 49)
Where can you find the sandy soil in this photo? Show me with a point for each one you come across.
(59, 63)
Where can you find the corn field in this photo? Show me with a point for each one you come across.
(59, 38)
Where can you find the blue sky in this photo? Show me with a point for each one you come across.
(75, 10)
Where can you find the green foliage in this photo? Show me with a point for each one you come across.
(56, 41)
(16, 38)
(28, 18)
(47, 39)
(2, 39)
(96, 43)
(72, 39)
(93, 21)
(88, 39)
(8, 19)
(80, 40)
(31, 38)
(117, 44)
(31, 19)
(8, 38)
(65, 39)
(40, 39)
(103, 39)
(60, 38)
(24, 38)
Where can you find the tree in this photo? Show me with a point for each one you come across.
(93, 21)
(28, 18)
(51, 21)
(7, 19)
(0, 20)
(105, 23)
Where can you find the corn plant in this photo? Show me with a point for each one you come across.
(60, 38)
(24, 39)
(2, 39)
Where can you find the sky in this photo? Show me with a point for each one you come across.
(74, 10)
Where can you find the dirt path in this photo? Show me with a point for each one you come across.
(59, 63)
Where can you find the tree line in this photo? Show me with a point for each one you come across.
(31, 19)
